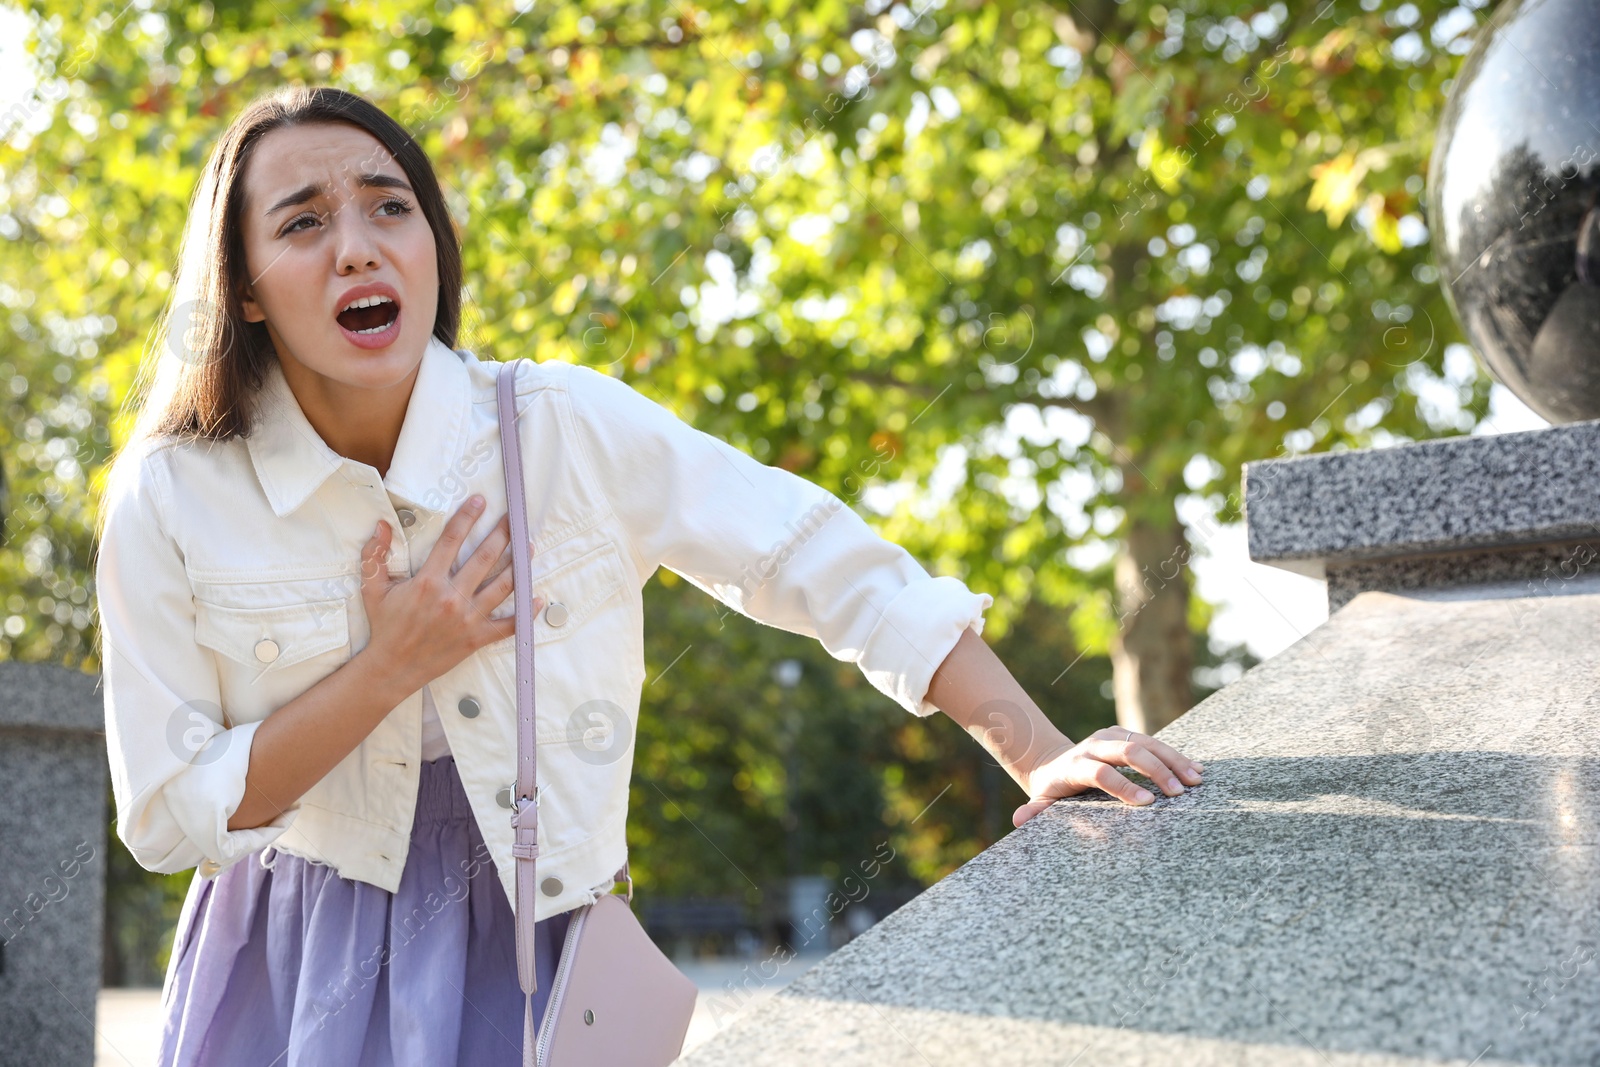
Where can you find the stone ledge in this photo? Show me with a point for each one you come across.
(1533, 488)
(1392, 863)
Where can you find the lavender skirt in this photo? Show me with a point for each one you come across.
(290, 965)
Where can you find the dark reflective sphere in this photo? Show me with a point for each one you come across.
(1511, 204)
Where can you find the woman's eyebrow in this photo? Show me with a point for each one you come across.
(315, 189)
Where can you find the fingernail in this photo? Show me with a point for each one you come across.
(1172, 784)
(475, 501)
(1143, 796)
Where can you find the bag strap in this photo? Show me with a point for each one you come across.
(525, 819)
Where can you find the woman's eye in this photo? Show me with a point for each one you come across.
(402, 209)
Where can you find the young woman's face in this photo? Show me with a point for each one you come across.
(329, 219)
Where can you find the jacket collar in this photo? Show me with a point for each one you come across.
(292, 460)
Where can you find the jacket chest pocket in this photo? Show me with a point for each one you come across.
(583, 639)
(574, 591)
(270, 655)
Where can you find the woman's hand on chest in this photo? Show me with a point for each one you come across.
(424, 625)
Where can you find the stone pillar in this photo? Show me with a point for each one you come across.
(52, 863)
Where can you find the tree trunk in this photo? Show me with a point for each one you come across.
(1152, 652)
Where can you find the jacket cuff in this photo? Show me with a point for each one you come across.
(915, 634)
(204, 797)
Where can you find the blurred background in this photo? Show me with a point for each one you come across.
(1022, 283)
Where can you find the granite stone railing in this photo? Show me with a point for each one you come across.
(1392, 861)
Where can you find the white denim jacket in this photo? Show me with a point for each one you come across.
(228, 583)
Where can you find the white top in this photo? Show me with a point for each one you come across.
(229, 583)
(433, 743)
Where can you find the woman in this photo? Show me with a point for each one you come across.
(305, 602)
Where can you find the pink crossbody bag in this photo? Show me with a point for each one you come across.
(616, 999)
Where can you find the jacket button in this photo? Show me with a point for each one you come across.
(556, 614)
(406, 516)
(551, 887)
(468, 707)
(266, 650)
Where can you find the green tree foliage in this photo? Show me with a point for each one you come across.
(858, 241)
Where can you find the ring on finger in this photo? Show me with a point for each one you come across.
(1130, 734)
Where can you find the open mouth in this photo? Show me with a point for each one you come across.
(369, 315)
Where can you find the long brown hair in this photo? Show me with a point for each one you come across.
(204, 362)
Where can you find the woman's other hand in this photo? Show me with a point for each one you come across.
(1092, 764)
